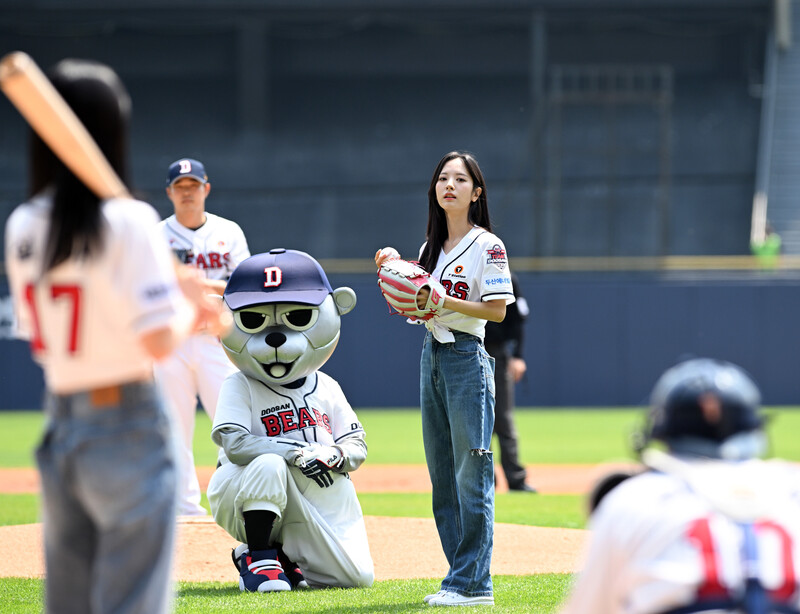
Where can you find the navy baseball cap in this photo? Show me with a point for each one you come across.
(186, 167)
(280, 276)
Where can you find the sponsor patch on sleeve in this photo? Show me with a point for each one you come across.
(496, 255)
(491, 282)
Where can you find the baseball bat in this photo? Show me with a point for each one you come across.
(55, 122)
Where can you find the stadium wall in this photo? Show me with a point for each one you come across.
(614, 128)
(593, 339)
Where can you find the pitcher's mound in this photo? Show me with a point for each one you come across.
(401, 548)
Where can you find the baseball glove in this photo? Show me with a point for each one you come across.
(400, 282)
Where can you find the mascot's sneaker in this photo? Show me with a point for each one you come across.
(291, 569)
(236, 555)
(446, 598)
(261, 572)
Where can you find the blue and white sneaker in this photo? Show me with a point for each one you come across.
(291, 569)
(260, 572)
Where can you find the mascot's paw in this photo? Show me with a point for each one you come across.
(316, 462)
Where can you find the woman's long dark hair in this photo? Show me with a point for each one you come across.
(478, 214)
(99, 99)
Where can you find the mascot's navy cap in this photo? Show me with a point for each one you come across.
(280, 276)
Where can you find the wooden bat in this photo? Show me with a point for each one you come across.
(54, 121)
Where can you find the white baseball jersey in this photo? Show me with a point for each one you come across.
(216, 248)
(316, 412)
(199, 366)
(84, 317)
(474, 270)
(658, 543)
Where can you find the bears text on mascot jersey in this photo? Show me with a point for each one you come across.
(288, 437)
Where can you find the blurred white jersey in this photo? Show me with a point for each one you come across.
(199, 366)
(216, 248)
(83, 317)
(659, 542)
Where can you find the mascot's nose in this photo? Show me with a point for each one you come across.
(275, 339)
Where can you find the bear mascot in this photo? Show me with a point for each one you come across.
(288, 437)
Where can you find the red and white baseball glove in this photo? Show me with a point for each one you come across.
(400, 282)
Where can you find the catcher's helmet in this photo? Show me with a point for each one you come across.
(709, 408)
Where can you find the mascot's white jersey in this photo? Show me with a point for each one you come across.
(658, 543)
(316, 412)
(216, 248)
(474, 270)
(65, 313)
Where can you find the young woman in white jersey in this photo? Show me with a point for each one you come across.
(98, 296)
(457, 374)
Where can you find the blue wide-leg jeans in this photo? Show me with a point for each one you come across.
(457, 400)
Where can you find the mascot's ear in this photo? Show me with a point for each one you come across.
(345, 299)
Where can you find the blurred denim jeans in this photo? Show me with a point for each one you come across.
(108, 498)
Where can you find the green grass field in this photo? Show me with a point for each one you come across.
(558, 436)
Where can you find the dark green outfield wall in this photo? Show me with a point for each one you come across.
(592, 340)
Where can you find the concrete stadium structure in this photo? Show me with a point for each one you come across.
(625, 144)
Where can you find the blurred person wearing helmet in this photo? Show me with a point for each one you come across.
(706, 526)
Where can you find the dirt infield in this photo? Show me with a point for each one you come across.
(548, 479)
(401, 547)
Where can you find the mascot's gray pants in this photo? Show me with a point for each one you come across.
(321, 529)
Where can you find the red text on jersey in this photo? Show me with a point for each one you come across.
(286, 421)
(69, 294)
(701, 537)
(211, 260)
(460, 289)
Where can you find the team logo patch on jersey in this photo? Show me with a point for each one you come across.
(497, 257)
(459, 268)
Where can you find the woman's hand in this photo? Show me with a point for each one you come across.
(387, 253)
(210, 313)
(422, 298)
